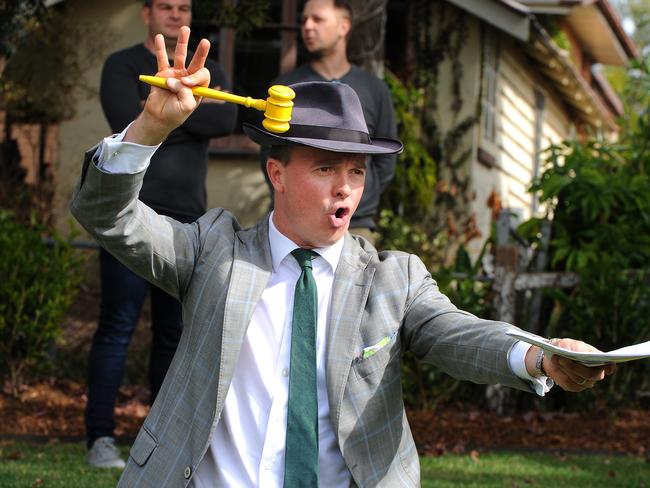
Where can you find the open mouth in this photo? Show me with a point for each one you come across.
(340, 217)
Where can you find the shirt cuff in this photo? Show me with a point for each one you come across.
(118, 157)
(517, 362)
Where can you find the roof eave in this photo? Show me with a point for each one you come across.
(574, 89)
(615, 22)
(509, 16)
(607, 18)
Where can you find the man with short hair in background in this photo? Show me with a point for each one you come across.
(175, 187)
(325, 30)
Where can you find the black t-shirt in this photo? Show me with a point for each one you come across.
(174, 184)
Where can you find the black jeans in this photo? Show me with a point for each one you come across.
(123, 294)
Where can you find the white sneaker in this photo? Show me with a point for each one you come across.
(104, 454)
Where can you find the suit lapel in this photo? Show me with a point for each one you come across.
(251, 271)
(352, 281)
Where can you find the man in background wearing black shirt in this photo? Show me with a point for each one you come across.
(325, 29)
(174, 186)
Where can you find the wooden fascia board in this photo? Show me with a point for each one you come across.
(510, 17)
(608, 21)
(597, 35)
(615, 23)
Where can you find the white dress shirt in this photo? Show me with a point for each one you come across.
(247, 447)
(254, 417)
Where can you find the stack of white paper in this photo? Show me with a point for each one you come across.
(628, 353)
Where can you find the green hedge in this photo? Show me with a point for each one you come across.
(598, 200)
(39, 282)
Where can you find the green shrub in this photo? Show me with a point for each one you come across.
(414, 187)
(600, 208)
(39, 282)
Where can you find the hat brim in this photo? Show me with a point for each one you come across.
(378, 145)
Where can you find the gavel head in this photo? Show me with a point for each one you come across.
(278, 109)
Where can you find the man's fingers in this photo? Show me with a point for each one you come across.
(161, 52)
(565, 382)
(580, 371)
(184, 94)
(187, 99)
(200, 55)
(181, 47)
(199, 78)
(174, 85)
(573, 376)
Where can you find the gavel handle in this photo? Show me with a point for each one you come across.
(201, 91)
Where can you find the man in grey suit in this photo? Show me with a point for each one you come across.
(221, 416)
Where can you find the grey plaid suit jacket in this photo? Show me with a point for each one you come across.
(218, 271)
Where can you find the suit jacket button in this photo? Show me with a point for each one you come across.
(188, 472)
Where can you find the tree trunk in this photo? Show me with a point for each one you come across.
(366, 44)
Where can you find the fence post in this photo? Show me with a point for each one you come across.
(534, 325)
(506, 268)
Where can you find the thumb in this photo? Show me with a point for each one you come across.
(184, 94)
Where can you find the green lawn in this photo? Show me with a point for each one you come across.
(514, 470)
(63, 465)
(52, 465)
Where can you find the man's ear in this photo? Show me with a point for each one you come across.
(345, 25)
(145, 13)
(275, 171)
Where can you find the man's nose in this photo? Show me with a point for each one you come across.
(342, 187)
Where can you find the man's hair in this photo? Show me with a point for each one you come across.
(148, 3)
(342, 4)
(281, 153)
(347, 6)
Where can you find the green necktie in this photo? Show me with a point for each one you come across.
(301, 451)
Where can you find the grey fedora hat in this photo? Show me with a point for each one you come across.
(328, 116)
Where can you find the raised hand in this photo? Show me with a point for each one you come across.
(165, 110)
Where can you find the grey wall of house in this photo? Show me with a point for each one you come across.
(233, 183)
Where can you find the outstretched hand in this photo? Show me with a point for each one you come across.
(571, 375)
(165, 110)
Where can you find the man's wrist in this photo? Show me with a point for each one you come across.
(145, 132)
(535, 362)
(539, 364)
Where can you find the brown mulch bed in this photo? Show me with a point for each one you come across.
(458, 429)
(54, 409)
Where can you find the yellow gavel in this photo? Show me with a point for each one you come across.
(276, 108)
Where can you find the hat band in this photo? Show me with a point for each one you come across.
(327, 133)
